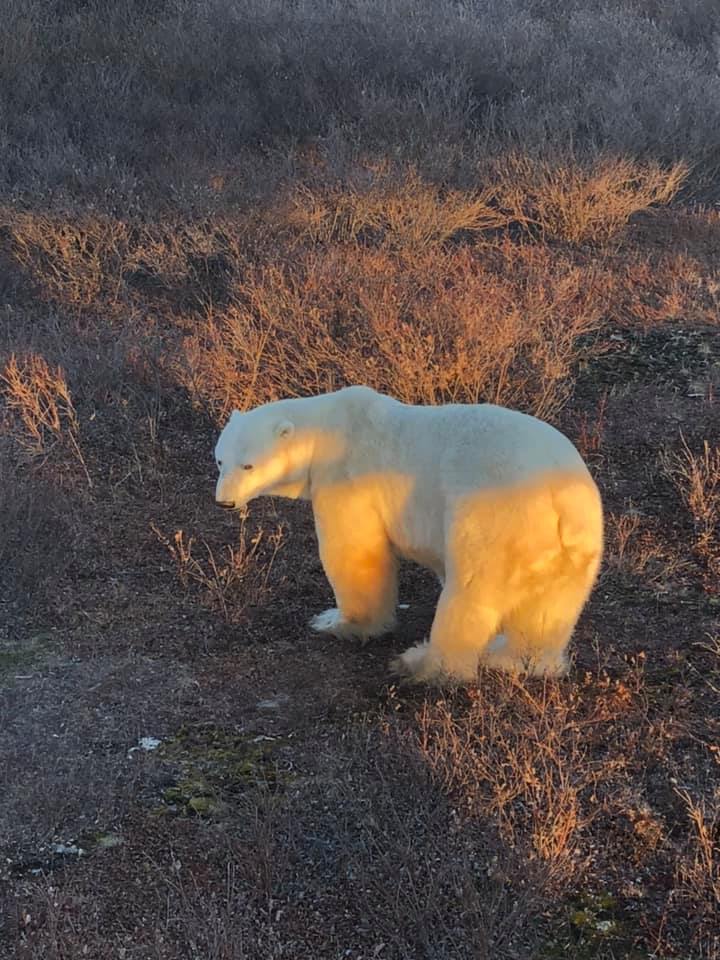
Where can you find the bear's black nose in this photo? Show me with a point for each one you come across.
(227, 504)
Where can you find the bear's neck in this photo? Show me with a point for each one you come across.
(295, 490)
(321, 438)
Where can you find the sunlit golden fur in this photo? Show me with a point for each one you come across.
(498, 504)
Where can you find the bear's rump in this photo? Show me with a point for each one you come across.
(524, 536)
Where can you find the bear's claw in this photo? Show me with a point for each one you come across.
(333, 622)
(421, 664)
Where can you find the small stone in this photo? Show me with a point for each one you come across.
(273, 703)
(145, 743)
(66, 850)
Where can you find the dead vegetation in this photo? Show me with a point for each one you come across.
(231, 582)
(521, 755)
(574, 202)
(699, 868)
(286, 199)
(697, 479)
(445, 326)
(579, 204)
(40, 400)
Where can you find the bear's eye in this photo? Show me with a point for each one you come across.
(247, 466)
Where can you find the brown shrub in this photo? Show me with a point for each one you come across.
(397, 212)
(441, 325)
(233, 581)
(697, 479)
(96, 263)
(520, 756)
(77, 262)
(40, 399)
(579, 202)
(569, 199)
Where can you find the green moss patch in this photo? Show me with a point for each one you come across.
(18, 658)
(594, 930)
(215, 766)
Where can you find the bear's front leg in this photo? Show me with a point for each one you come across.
(360, 564)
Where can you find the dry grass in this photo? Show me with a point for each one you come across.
(78, 262)
(40, 399)
(521, 756)
(36, 537)
(95, 260)
(698, 868)
(697, 479)
(634, 548)
(579, 204)
(406, 213)
(571, 201)
(456, 325)
(233, 582)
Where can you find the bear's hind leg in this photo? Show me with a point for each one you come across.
(362, 569)
(536, 637)
(462, 628)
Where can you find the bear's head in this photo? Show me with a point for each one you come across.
(256, 454)
(274, 449)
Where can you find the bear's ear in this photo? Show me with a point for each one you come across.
(284, 429)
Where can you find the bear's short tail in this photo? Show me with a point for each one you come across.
(580, 524)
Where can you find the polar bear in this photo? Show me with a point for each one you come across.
(497, 503)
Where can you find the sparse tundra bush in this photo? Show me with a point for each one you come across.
(430, 327)
(214, 86)
(40, 400)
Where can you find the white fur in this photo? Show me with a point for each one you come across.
(498, 504)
